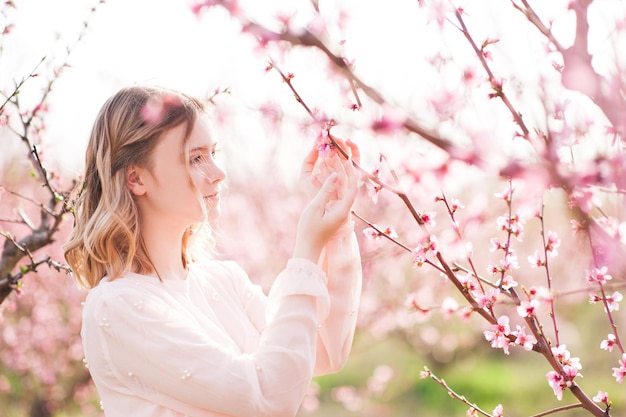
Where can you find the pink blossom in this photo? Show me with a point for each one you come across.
(428, 217)
(498, 335)
(487, 299)
(373, 233)
(557, 382)
(535, 260)
(553, 243)
(608, 343)
(468, 282)
(528, 308)
(601, 397)
(612, 301)
(586, 199)
(620, 372)
(449, 306)
(496, 245)
(387, 125)
(507, 282)
(427, 248)
(593, 298)
(465, 313)
(498, 411)
(506, 194)
(576, 226)
(373, 190)
(455, 205)
(541, 293)
(439, 11)
(513, 225)
(509, 262)
(598, 275)
(527, 341)
(492, 269)
(571, 366)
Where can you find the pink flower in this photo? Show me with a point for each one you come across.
(427, 248)
(553, 243)
(598, 275)
(576, 226)
(487, 299)
(608, 343)
(507, 282)
(428, 217)
(557, 382)
(372, 233)
(496, 245)
(455, 205)
(449, 306)
(601, 397)
(506, 194)
(465, 313)
(528, 307)
(498, 412)
(509, 262)
(535, 260)
(613, 301)
(498, 336)
(620, 372)
(571, 366)
(467, 281)
(513, 225)
(527, 341)
(373, 190)
(540, 293)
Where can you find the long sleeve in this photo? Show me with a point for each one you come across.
(144, 345)
(341, 262)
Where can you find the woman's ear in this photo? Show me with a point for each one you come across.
(133, 180)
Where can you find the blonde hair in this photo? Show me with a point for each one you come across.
(106, 239)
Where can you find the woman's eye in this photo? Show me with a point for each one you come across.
(198, 159)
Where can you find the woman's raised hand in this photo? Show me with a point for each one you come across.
(331, 182)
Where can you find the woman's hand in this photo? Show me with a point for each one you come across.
(315, 168)
(333, 184)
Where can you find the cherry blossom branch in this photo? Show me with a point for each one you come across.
(558, 410)
(427, 373)
(496, 84)
(303, 37)
(382, 233)
(58, 202)
(548, 276)
(19, 85)
(606, 94)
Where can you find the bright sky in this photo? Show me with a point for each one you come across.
(162, 42)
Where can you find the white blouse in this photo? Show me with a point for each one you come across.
(214, 344)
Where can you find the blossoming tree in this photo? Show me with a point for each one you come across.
(456, 107)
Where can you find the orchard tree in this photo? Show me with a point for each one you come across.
(504, 118)
(41, 365)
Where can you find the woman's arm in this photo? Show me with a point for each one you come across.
(341, 262)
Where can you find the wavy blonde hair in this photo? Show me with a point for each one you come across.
(106, 239)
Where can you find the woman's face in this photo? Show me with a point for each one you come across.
(169, 197)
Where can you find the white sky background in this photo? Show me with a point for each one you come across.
(162, 42)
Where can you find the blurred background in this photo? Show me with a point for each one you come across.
(415, 55)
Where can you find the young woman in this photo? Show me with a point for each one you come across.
(166, 333)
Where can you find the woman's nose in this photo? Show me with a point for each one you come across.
(216, 174)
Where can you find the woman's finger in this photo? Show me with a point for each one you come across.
(356, 153)
(309, 161)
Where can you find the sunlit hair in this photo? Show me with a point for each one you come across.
(106, 239)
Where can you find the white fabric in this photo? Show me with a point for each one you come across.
(214, 344)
